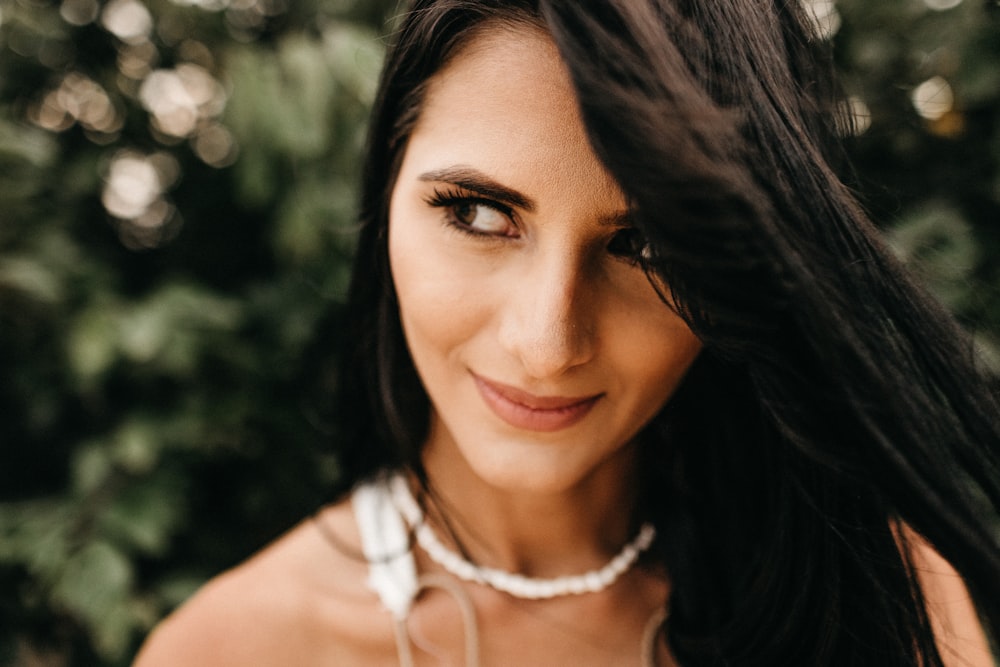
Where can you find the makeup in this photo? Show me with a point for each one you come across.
(526, 411)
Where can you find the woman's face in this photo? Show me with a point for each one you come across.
(540, 342)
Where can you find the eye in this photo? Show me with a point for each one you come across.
(482, 217)
(474, 215)
(628, 243)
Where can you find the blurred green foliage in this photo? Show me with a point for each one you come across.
(927, 75)
(177, 193)
(176, 213)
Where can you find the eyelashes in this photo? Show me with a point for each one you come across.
(488, 219)
(629, 244)
(474, 215)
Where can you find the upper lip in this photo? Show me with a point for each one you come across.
(533, 401)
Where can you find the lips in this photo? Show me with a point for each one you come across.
(527, 411)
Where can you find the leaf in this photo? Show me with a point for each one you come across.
(146, 513)
(26, 146)
(92, 341)
(91, 467)
(34, 533)
(95, 586)
(136, 446)
(938, 243)
(33, 279)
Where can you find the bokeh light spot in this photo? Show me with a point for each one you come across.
(79, 12)
(950, 125)
(134, 194)
(825, 16)
(942, 5)
(208, 5)
(128, 20)
(933, 98)
(195, 52)
(136, 61)
(216, 146)
(132, 186)
(77, 99)
(855, 117)
(179, 98)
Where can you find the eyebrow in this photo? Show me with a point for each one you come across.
(476, 181)
(473, 180)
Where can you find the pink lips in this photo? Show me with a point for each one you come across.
(533, 413)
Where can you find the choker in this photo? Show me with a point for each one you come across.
(517, 585)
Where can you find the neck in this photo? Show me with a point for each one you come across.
(536, 529)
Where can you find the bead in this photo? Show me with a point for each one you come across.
(515, 584)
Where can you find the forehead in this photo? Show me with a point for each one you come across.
(505, 104)
(511, 61)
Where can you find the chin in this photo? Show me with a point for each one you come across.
(545, 468)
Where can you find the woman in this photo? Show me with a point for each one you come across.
(609, 292)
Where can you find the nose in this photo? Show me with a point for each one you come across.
(548, 321)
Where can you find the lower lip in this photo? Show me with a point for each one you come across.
(533, 419)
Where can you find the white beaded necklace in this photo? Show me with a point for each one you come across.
(515, 584)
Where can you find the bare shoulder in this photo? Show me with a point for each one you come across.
(300, 601)
(953, 616)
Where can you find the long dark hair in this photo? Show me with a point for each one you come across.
(834, 401)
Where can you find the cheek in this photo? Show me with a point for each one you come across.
(437, 304)
(658, 355)
(650, 338)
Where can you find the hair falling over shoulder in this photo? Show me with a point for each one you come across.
(834, 402)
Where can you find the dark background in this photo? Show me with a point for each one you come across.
(177, 197)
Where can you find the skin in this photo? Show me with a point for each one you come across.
(540, 298)
(546, 304)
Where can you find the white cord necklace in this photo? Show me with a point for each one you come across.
(515, 584)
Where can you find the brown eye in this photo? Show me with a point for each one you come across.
(481, 217)
(466, 212)
(629, 243)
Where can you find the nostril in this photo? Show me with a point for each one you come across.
(549, 349)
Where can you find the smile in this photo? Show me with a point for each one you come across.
(533, 413)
